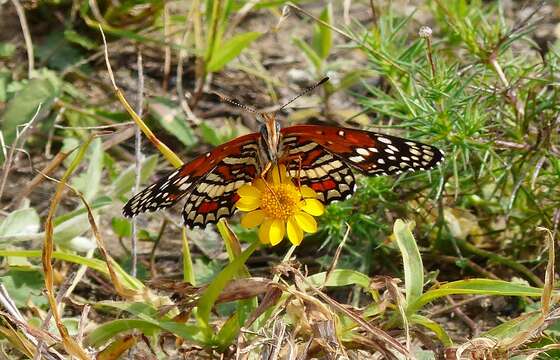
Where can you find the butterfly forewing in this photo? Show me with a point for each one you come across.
(183, 181)
(368, 152)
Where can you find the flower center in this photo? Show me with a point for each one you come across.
(280, 201)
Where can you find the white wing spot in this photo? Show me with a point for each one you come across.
(372, 149)
(357, 159)
(182, 180)
(392, 147)
(389, 151)
(362, 151)
(341, 132)
(380, 161)
(392, 158)
(384, 140)
(415, 151)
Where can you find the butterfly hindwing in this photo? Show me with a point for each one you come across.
(310, 164)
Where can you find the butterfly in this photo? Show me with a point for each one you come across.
(319, 156)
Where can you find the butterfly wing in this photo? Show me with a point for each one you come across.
(215, 195)
(312, 165)
(370, 153)
(183, 181)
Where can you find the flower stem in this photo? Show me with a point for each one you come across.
(285, 259)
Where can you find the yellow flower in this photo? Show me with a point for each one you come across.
(279, 207)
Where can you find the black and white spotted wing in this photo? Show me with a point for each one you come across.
(223, 162)
(310, 164)
(215, 195)
(370, 153)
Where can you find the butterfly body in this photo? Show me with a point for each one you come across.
(322, 157)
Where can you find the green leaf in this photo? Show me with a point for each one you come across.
(476, 286)
(23, 285)
(121, 227)
(57, 52)
(98, 203)
(209, 134)
(229, 331)
(309, 53)
(124, 183)
(69, 229)
(515, 327)
(412, 262)
(5, 79)
(230, 49)
(42, 89)
(19, 222)
(340, 277)
(170, 116)
(210, 295)
(85, 42)
(6, 50)
(95, 264)
(109, 330)
(88, 183)
(433, 326)
(148, 315)
(322, 36)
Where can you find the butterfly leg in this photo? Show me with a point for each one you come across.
(298, 158)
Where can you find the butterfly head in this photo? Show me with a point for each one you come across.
(270, 132)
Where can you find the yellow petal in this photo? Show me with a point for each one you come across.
(307, 192)
(249, 191)
(312, 206)
(264, 231)
(259, 184)
(277, 231)
(276, 175)
(306, 222)
(252, 219)
(295, 234)
(284, 178)
(248, 203)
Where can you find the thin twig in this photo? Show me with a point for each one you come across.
(467, 320)
(336, 256)
(82, 324)
(138, 161)
(179, 83)
(10, 157)
(98, 127)
(27, 37)
(449, 308)
(47, 320)
(167, 57)
(51, 166)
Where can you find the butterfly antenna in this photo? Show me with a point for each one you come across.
(238, 104)
(308, 90)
